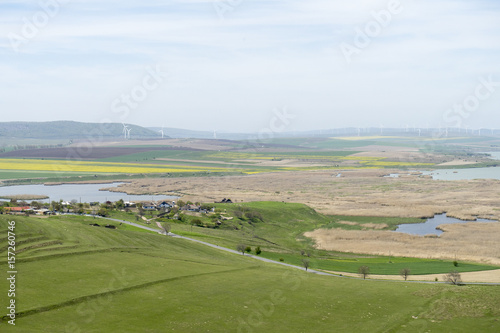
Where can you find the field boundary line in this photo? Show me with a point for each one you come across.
(82, 299)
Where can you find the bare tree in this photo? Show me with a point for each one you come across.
(405, 272)
(166, 227)
(305, 263)
(241, 248)
(364, 271)
(453, 277)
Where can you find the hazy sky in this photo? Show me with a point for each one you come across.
(233, 65)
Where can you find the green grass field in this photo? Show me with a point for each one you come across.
(279, 235)
(94, 279)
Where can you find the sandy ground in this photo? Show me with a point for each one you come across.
(492, 276)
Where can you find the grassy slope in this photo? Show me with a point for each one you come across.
(280, 236)
(150, 283)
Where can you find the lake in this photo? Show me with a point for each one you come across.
(464, 174)
(429, 226)
(83, 192)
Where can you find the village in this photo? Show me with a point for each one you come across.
(145, 211)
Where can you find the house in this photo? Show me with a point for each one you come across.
(17, 210)
(150, 206)
(42, 211)
(129, 204)
(193, 208)
(165, 204)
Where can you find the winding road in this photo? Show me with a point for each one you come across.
(312, 271)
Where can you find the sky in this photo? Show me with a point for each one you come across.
(249, 66)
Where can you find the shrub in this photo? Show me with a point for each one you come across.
(196, 222)
(254, 216)
(281, 259)
(257, 250)
(248, 249)
(455, 263)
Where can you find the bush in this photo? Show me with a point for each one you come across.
(455, 263)
(281, 259)
(248, 249)
(254, 216)
(257, 250)
(102, 212)
(196, 222)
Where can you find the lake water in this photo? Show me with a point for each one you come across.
(494, 154)
(464, 174)
(429, 226)
(83, 192)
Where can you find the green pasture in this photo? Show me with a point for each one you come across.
(127, 281)
(280, 235)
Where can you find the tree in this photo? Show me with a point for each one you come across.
(248, 249)
(102, 212)
(405, 272)
(453, 277)
(166, 227)
(305, 263)
(241, 248)
(181, 203)
(364, 271)
(258, 250)
(120, 204)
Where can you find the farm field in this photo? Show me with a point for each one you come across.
(80, 278)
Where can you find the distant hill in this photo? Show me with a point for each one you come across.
(71, 130)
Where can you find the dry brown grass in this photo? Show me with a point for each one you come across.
(357, 192)
(467, 242)
(24, 197)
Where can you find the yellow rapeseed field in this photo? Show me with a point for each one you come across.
(97, 167)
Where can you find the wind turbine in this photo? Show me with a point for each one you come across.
(359, 131)
(381, 129)
(215, 134)
(161, 131)
(128, 132)
(125, 128)
(419, 131)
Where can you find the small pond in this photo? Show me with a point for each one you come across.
(429, 227)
